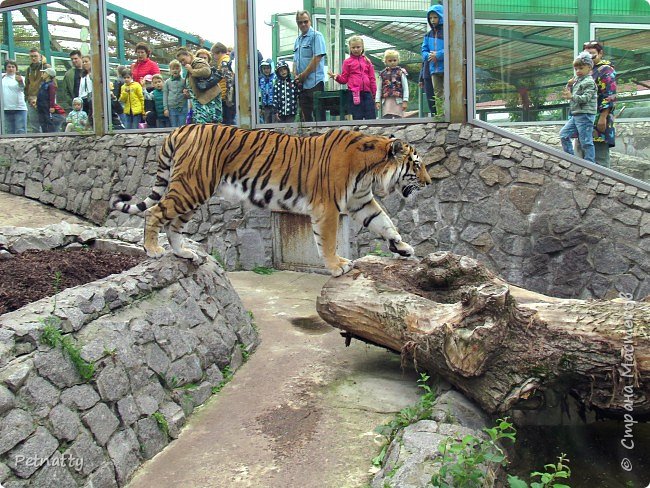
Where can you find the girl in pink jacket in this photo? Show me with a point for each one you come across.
(359, 74)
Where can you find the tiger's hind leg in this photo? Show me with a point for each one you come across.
(176, 240)
(325, 225)
(153, 221)
(371, 215)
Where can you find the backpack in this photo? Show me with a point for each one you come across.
(204, 84)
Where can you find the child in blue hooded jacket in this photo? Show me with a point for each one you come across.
(433, 54)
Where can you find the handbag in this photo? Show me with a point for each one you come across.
(204, 84)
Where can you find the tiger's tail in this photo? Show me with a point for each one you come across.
(165, 161)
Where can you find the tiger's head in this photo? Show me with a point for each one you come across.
(405, 172)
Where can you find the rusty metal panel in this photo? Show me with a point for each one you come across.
(294, 246)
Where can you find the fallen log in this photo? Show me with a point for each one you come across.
(500, 345)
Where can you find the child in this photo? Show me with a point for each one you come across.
(359, 75)
(77, 119)
(149, 104)
(285, 94)
(393, 90)
(583, 108)
(174, 99)
(162, 120)
(50, 115)
(267, 78)
(433, 55)
(133, 99)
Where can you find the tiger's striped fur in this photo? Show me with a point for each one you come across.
(321, 176)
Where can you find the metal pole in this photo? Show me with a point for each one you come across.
(328, 51)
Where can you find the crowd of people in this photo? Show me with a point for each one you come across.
(140, 96)
(200, 89)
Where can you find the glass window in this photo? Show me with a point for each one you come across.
(36, 42)
(523, 60)
(391, 34)
(143, 38)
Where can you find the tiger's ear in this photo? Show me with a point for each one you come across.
(396, 147)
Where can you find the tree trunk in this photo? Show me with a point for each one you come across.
(497, 343)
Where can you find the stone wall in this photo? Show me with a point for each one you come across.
(630, 156)
(539, 221)
(160, 336)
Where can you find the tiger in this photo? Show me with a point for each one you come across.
(320, 176)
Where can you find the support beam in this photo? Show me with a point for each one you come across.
(244, 55)
(456, 66)
(95, 15)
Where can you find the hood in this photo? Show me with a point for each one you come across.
(439, 12)
(282, 64)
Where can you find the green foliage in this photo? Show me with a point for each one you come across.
(47, 188)
(551, 473)
(420, 411)
(162, 422)
(4, 162)
(377, 251)
(217, 257)
(244, 353)
(227, 376)
(52, 336)
(465, 461)
(263, 270)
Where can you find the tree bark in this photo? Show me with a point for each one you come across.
(499, 344)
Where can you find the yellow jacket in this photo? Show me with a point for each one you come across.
(133, 99)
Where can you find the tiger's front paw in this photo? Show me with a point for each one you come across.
(401, 248)
(188, 254)
(155, 252)
(343, 266)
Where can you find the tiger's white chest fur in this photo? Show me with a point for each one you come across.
(270, 197)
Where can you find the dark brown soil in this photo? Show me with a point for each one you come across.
(32, 275)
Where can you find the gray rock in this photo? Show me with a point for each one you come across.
(7, 400)
(523, 197)
(56, 472)
(124, 451)
(40, 395)
(128, 410)
(452, 406)
(605, 259)
(102, 422)
(175, 417)
(65, 423)
(15, 375)
(113, 383)
(16, 426)
(85, 455)
(251, 249)
(151, 436)
(57, 368)
(5, 472)
(81, 397)
(104, 477)
(186, 370)
(25, 459)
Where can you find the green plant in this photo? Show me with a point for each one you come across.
(420, 411)
(162, 422)
(465, 461)
(217, 257)
(52, 336)
(244, 353)
(378, 252)
(263, 270)
(551, 473)
(47, 188)
(4, 162)
(227, 376)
